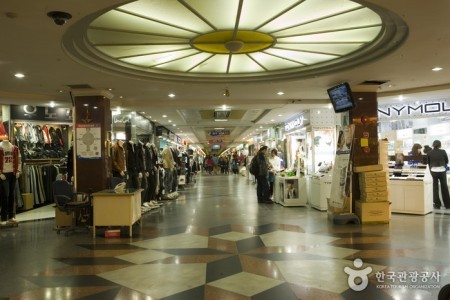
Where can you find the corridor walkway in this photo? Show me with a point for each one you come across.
(217, 242)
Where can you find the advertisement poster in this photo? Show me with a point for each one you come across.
(88, 141)
(340, 186)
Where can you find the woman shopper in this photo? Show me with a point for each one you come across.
(438, 161)
(275, 162)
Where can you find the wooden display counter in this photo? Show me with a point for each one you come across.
(116, 208)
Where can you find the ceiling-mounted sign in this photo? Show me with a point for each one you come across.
(432, 108)
(218, 132)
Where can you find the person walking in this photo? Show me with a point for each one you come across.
(438, 161)
(262, 177)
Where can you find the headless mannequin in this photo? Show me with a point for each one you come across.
(131, 164)
(10, 168)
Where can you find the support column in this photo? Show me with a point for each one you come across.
(92, 154)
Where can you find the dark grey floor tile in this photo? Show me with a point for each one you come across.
(106, 295)
(266, 228)
(197, 293)
(109, 246)
(281, 291)
(92, 261)
(223, 268)
(249, 244)
(219, 230)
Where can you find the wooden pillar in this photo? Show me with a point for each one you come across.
(92, 159)
(365, 142)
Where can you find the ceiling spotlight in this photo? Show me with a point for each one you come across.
(60, 91)
(19, 75)
(280, 115)
(280, 93)
(272, 120)
(437, 69)
(226, 92)
(164, 116)
(170, 121)
(52, 104)
(171, 95)
(121, 97)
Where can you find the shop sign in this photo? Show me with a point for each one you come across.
(38, 113)
(295, 123)
(412, 110)
(121, 119)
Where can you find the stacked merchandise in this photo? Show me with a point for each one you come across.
(373, 206)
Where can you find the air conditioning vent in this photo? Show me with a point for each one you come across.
(221, 114)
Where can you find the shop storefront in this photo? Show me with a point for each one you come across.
(408, 127)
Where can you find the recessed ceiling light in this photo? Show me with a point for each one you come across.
(60, 91)
(437, 69)
(121, 97)
(52, 104)
(400, 98)
(110, 89)
(260, 127)
(224, 107)
(280, 115)
(318, 112)
(171, 95)
(174, 124)
(95, 107)
(86, 104)
(143, 112)
(280, 93)
(164, 116)
(272, 120)
(170, 121)
(390, 85)
(19, 75)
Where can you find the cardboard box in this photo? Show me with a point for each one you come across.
(374, 197)
(373, 174)
(373, 181)
(372, 212)
(370, 168)
(111, 233)
(28, 202)
(373, 189)
(62, 219)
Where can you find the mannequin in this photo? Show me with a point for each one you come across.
(10, 169)
(131, 165)
(118, 159)
(140, 159)
(151, 171)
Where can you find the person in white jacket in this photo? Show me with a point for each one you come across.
(275, 167)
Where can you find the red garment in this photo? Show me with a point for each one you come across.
(15, 159)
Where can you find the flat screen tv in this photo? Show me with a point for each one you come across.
(341, 97)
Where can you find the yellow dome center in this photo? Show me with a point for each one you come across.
(222, 42)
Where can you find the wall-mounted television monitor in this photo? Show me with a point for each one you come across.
(341, 97)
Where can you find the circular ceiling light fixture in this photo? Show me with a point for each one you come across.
(234, 40)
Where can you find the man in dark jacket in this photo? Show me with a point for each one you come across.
(262, 178)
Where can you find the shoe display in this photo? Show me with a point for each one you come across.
(13, 221)
(3, 223)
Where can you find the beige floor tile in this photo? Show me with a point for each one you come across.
(331, 251)
(182, 240)
(159, 280)
(288, 238)
(246, 284)
(233, 236)
(146, 256)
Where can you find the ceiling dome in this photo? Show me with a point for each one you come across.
(226, 40)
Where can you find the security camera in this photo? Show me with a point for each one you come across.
(59, 17)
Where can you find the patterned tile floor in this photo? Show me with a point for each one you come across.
(216, 242)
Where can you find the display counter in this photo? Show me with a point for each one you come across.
(411, 190)
(320, 191)
(290, 191)
(411, 195)
(113, 208)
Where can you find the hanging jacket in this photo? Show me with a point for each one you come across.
(118, 158)
(130, 153)
(140, 157)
